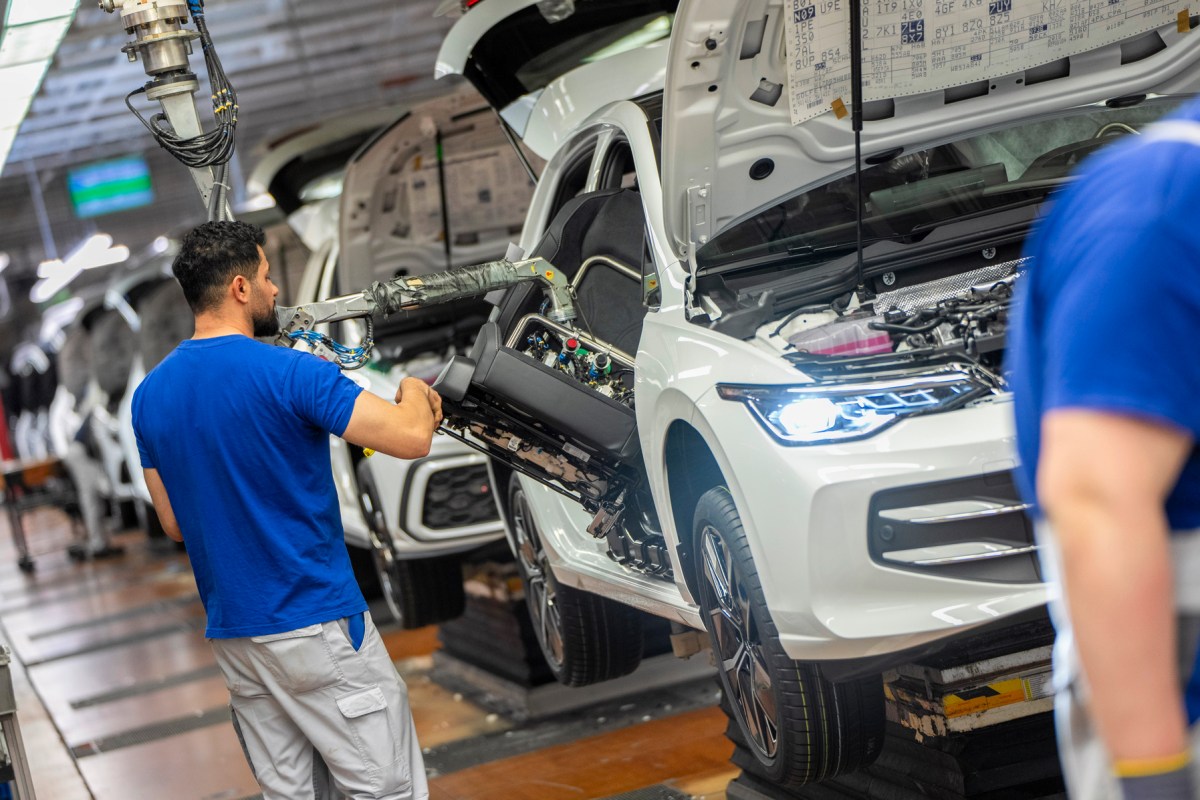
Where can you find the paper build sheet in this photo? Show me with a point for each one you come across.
(914, 46)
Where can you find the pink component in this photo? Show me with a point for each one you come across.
(849, 338)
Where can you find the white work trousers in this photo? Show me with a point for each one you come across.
(319, 720)
(88, 478)
(1087, 766)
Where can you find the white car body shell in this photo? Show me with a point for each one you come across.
(804, 508)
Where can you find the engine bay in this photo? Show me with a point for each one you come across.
(965, 315)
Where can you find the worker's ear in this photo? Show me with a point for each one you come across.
(240, 287)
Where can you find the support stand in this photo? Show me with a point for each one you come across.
(18, 764)
(973, 722)
(27, 485)
(491, 655)
(1015, 759)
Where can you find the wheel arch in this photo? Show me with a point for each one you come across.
(691, 470)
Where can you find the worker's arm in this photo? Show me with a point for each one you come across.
(403, 430)
(1102, 481)
(162, 505)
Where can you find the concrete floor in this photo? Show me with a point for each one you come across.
(119, 698)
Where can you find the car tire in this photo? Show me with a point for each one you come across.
(418, 592)
(585, 638)
(792, 726)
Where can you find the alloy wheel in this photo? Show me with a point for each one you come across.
(738, 645)
(383, 554)
(540, 587)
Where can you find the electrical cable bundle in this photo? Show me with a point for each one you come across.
(211, 148)
(346, 357)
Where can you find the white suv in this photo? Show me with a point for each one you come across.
(746, 429)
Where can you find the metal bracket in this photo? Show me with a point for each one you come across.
(699, 210)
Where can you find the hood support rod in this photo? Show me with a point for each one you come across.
(856, 123)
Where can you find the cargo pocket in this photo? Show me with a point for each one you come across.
(301, 660)
(366, 713)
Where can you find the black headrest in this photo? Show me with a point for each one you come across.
(608, 222)
(618, 229)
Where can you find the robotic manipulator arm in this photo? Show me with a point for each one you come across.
(164, 44)
(296, 323)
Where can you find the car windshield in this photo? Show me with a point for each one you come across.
(525, 52)
(915, 192)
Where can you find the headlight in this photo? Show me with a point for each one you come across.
(822, 413)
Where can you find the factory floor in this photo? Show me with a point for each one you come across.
(119, 698)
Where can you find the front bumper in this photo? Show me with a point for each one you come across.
(439, 504)
(836, 587)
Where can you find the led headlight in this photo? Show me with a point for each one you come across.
(823, 413)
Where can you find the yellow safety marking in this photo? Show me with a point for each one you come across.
(549, 274)
(1000, 694)
(839, 109)
(1184, 21)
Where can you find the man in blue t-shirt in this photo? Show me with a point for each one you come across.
(1107, 409)
(234, 439)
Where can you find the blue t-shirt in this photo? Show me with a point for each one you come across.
(1109, 309)
(239, 433)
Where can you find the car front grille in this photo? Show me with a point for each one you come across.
(457, 498)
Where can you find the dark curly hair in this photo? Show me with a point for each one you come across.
(209, 258)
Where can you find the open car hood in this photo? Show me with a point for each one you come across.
(547, 74)
(735, 141)
(288, 164)
(394, 214)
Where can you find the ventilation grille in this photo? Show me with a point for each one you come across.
(457, 498)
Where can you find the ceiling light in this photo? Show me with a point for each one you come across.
(24, 12)
(95, 251)
(18, 84)
(30, 34)
(37, 42)
(46, 288)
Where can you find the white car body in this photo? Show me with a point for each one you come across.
(827, 597)
(804, 508)
(126, 296)
(823, 483)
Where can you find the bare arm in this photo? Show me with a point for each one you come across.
(162, 505)
(403, 430)
(1102, 482)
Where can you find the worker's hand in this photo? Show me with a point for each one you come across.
(435, 405)
(412, 384)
